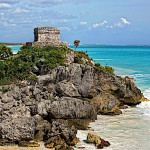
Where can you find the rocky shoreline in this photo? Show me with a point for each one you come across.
(60, 102)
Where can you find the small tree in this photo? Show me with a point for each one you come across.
(76, 44)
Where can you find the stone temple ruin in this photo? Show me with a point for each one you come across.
(46, 36)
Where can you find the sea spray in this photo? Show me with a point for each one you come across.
(144, 107)
(147, 93)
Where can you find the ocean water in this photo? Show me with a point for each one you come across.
(15, 49)
(131, 129)
(133, 61)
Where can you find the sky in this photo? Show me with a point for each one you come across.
(118, 22)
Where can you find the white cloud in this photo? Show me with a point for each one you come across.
(5, 23)
(5, 5)
(122, 23)
(125, 21)
(83, 22)
(18, 10)
(109, 27)
(2, 14)
(65, 28)
(100, 24)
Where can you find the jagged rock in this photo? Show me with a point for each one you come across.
(65, 88)
(105, 103)
(45, 79)
(39, 136)
(81, 124)
(69, 58)
(81, 76)
(26, 111)
(54, 141)
(103, 144)
(95, 139)
(66, 109)
(133, 95)
(92, 138)
(43, 126)
(42, 108)
(72, 109)
(67, 134)
(124, 91)
(17, 129)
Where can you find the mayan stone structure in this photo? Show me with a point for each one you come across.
(46, 36)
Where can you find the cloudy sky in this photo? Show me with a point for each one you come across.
(90, 21)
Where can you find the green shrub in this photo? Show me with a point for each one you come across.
(105, 68)
(4, 90)
(5, 51)
(80, 56)
(36, 60)
(33, 77)
(5, 81)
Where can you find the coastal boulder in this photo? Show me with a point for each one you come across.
(105, 103)
(61, 133)
(133, 95)
(95, 139)
(65, 88)
(65, 108)
(72, 109)
(17, 129)
(123, 89)
(92, 138)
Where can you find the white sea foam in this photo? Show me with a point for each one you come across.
(145, 106)
(147, 93)
(123, 72)
(14, 52)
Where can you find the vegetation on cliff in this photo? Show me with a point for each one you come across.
(38, 61)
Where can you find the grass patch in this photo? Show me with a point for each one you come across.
(105, 68)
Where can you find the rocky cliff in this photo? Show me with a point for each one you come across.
(60, 102)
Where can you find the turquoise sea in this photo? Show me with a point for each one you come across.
(131, 129)
(133, 61)
(15, 49)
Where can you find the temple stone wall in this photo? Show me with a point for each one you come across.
(46, 36)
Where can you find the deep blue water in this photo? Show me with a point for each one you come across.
(133, 61)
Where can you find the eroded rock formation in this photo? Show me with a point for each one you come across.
(60, 101)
